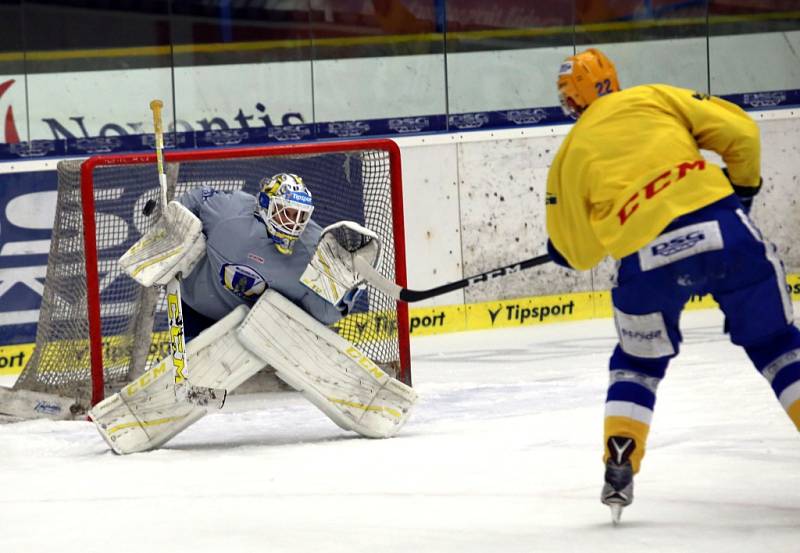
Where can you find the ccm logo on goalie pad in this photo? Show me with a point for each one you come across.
(242, 280)
(680, 244)
(145, 380)
(365, 362)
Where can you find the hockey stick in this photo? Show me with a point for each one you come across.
(397, 292)
(184, 391)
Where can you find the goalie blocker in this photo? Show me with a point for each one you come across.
(173, 246)
(327, 369)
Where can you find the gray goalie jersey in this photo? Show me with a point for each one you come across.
(241, 261)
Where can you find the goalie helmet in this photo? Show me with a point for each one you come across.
(285, 206)
(583, 78)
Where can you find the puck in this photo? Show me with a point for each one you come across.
(148, 207)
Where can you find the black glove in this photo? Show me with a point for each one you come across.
(556, 256)
(744, 193)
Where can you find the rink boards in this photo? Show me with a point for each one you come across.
(514, 313)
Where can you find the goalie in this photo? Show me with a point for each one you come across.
(260, 282)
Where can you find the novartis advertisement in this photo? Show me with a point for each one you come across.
(114, 104)
(105, 111)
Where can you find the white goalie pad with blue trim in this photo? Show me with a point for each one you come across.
(145, 414)
(328, 370)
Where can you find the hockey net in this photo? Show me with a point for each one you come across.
(98, 329)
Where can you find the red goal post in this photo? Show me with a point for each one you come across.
(356, 180)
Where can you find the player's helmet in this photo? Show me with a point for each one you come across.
(285, 206)
(583, 78)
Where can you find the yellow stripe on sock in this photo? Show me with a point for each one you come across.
(629, 428)
(794, 413)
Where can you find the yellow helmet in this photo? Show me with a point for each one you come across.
(583, 78)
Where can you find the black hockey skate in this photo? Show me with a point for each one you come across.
(618, 488)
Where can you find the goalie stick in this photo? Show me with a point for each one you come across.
(397, 292)
(184, 391)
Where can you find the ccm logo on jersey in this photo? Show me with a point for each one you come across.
(658, 184)
(680, 244)
(242, 280)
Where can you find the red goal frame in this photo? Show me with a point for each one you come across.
(90, 241)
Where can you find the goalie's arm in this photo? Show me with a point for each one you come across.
(176, 243)
(321, 309)
(193, 199)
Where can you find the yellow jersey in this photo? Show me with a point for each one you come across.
(632, 164)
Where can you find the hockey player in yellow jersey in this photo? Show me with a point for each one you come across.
(629, 182)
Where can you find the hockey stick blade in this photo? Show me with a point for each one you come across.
(393, 290)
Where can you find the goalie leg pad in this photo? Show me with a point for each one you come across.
(217, 359)
(145, 414)
(327, 369)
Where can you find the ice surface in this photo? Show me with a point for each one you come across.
(501, 455)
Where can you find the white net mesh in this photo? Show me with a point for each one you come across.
(346, 185)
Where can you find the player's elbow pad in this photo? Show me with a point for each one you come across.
(556, 256)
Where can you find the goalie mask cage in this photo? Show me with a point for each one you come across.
(98, 329)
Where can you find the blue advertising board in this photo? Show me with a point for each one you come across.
(27, 204)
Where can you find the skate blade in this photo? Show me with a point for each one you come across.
(616, 513)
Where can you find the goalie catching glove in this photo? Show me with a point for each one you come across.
(331, 272)
(173, 246)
